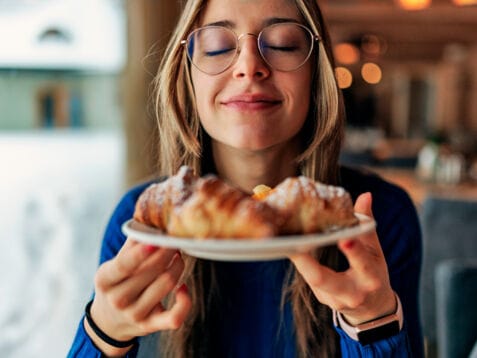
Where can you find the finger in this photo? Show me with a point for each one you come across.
(176, 315)
(366, 261)
(158, 261)
(319, 277)
(158, 289)
(126, 262)
(363, 204)
(127, 292)
(354, 248)
(364, 253)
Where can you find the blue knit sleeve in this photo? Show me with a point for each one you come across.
(83, 346)
(394, 347)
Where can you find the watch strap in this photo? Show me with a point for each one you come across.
(372, 331)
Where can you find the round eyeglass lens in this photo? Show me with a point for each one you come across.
(212, 49)
(285, 47)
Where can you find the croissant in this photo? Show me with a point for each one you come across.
(216, 209)
(311, 206)
(155, 204)
(185, 205)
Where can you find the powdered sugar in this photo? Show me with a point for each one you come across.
(302, 187)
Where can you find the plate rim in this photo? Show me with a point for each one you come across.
(239, 246)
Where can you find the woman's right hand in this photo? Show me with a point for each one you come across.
(130, 289)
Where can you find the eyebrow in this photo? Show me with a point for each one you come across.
(267, 22)
(279, 20)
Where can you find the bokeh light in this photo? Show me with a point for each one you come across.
(344, 77)
(464, 2)
(373, 45)
(414, 4)
(371, 73)
(346, 53)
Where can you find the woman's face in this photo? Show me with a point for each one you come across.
(251, 106)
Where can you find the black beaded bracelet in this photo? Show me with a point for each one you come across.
(107, 339)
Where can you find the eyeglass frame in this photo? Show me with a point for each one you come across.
(314, 38)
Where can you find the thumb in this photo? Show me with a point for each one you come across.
(363, 204)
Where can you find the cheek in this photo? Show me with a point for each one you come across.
(198, 85)
(201, 104)
(204, 89)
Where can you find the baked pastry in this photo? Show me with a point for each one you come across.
(188, 206)
(155, 204)
(185, 205)
(216, 209)
(310, 206)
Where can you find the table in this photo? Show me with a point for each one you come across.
(419, 190)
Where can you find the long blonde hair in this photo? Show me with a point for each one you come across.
(183, 141)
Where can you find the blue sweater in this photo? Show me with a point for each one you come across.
(251, 324)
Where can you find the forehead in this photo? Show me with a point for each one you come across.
(249, 12)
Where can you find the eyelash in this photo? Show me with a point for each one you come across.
(217, 53)
(282, 48)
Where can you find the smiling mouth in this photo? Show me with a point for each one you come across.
(251, 102)
(251, 105)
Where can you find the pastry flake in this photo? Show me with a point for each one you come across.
(185, 205)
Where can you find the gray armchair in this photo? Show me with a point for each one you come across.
(449, 232)
(473, 354)
(456, 300)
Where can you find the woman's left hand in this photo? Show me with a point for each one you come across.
(361, 293)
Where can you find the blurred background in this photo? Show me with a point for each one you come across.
(77, 129)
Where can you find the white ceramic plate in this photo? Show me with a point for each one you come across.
(245, 249)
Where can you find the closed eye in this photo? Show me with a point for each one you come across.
(218, 52)
(282, 48)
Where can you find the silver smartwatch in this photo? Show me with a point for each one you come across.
(372, 331)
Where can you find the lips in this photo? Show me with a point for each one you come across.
(251, 101)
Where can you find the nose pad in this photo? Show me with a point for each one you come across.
(249, 62)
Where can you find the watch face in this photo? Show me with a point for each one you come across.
(376, 334)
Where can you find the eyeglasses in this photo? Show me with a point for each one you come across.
(283, 46)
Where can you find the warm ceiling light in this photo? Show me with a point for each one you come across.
(373, 45)
(464, 2)
(414, 4)
(346, 53)
(343, 77)
(371, 73)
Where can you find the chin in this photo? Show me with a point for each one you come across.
(254, 146)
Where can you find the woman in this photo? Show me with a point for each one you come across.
(247, 91)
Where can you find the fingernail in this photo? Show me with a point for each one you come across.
(150, 249)
(348, 244)
(177, 255)
(183, 288)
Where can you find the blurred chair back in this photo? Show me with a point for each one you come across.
(456, 299)
(449, 232)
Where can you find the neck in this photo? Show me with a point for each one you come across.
(247, 169)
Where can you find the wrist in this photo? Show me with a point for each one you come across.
(368, 332)
(107, 344)
(384, 307)
(106, 349)
(98, 320)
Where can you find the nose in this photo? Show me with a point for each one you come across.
(249, 62)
